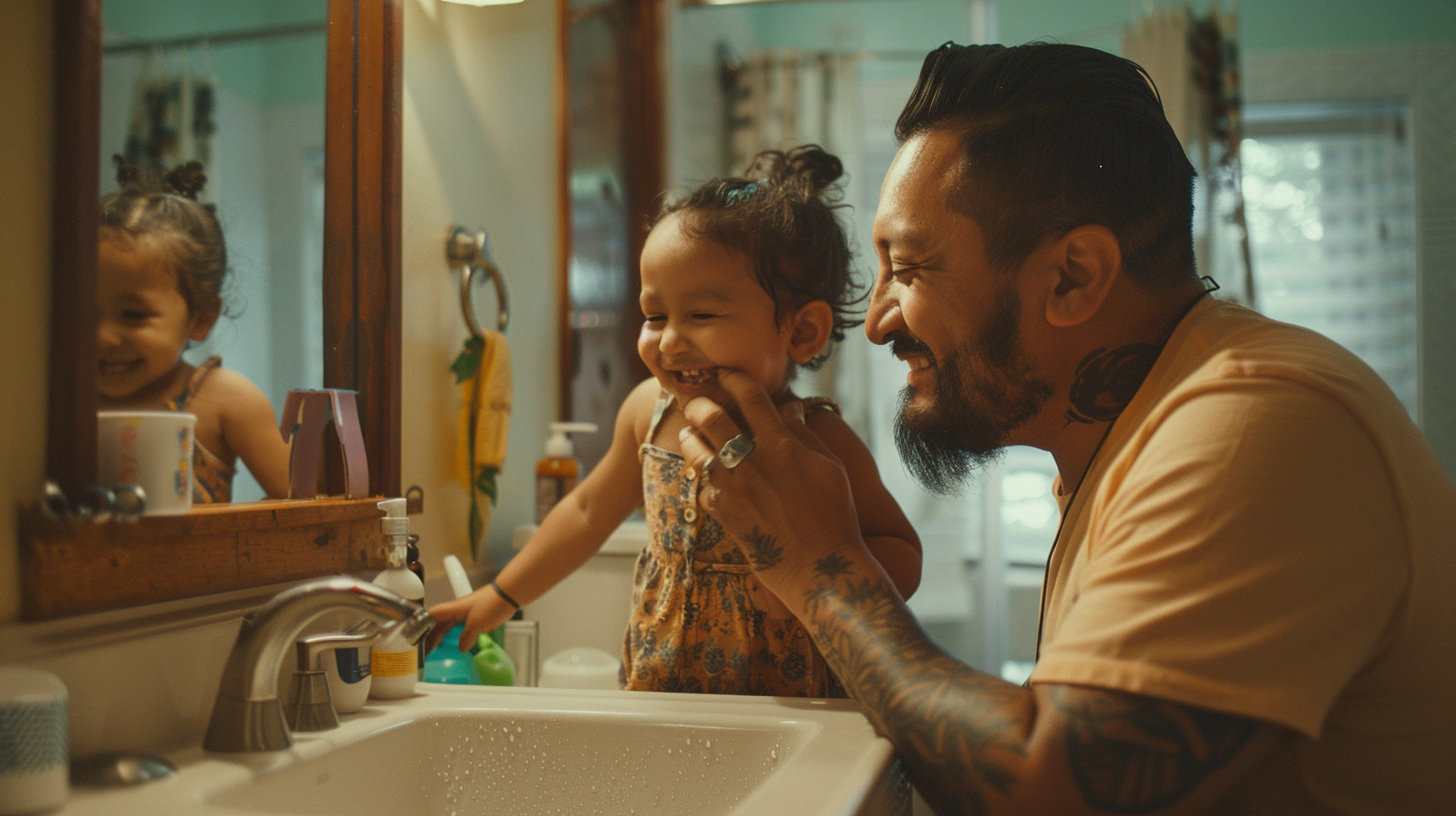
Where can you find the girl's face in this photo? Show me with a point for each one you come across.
(704, 310)
(144, 322)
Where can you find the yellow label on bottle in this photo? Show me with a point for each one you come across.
(392, 664)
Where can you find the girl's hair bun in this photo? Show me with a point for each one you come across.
(781, 214)
(808, 168)
(816, 167)
(187, 180)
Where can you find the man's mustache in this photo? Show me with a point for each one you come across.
(903, 344)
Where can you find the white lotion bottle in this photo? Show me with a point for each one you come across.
(394, 661)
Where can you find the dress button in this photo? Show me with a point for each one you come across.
(690, 515)
(690, 474)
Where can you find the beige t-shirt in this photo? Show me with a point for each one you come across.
(1266, 533)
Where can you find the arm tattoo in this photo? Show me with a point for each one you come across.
(1133, 754)
(961, 733)
(964, 734)
(1107, 380)
(763, 549)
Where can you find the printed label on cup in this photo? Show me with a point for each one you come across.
(148, 448)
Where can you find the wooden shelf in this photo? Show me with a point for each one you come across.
(71, 567)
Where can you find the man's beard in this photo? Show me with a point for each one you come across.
(983, 391)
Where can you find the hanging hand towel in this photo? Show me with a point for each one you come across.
(483, 371)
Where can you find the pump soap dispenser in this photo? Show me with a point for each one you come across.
(394, 661)
(556, 474)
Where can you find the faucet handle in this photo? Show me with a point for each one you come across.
(311, 705)
(311, 647)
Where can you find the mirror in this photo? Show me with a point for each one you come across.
(67, 567)
(238, 87)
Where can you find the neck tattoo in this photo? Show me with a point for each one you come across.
(1107, 379)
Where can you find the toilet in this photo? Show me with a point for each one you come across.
(591, 606)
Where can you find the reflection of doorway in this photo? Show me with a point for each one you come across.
(614, 175)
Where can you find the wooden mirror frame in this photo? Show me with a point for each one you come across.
(69, 566)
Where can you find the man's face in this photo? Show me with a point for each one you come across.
(956, 321)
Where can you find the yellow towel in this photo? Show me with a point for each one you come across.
(483, 371)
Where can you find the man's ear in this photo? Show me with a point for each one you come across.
(201, 325)
(809, 330)
(1081, 268)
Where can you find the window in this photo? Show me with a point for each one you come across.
(1329, 193)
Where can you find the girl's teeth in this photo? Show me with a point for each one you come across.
(696, 376)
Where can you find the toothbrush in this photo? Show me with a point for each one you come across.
(459, 581)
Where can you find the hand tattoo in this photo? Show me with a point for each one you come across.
(832, 566)
(1107, 380)
(763, 549)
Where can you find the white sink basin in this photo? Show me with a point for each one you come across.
(455, 750)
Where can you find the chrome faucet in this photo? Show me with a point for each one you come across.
(248, 715)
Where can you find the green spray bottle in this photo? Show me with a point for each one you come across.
(492, 665)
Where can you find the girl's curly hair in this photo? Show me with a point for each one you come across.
(781, 213)
(164, 206)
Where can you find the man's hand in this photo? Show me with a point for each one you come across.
(788, 503)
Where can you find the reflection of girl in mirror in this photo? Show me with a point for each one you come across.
(159, 281)
(750, 274)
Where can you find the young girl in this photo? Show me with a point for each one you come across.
(749, 274)
(159, 281)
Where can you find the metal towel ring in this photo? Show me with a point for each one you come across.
(471, 250)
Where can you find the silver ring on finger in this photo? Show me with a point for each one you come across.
(734, 451)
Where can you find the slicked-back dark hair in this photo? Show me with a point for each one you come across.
(781, 214)
(1057, 136)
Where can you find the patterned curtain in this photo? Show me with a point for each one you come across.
(1194, 61)
(173, 115)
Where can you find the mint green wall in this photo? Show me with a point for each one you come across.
(271, 72)
(1264, 25)
(870, 25)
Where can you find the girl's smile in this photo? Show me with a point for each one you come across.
(144, 323)
(704, 310)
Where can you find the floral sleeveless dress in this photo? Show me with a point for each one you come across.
(212, 479)
(694, 627)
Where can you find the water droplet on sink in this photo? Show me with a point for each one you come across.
(513, 738)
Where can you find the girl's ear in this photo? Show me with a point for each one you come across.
(201, 325)
(809, 331)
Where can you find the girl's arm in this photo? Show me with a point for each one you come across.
(571, 533)
(887, 533)
(249, 429)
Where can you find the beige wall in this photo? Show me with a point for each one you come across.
(25, 196)
(479, 150)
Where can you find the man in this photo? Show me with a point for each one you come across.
(1248, 605)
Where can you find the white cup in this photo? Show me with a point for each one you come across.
(347, 670)
(34, 745)
(148, 448)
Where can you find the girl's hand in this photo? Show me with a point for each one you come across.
(481, 610)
